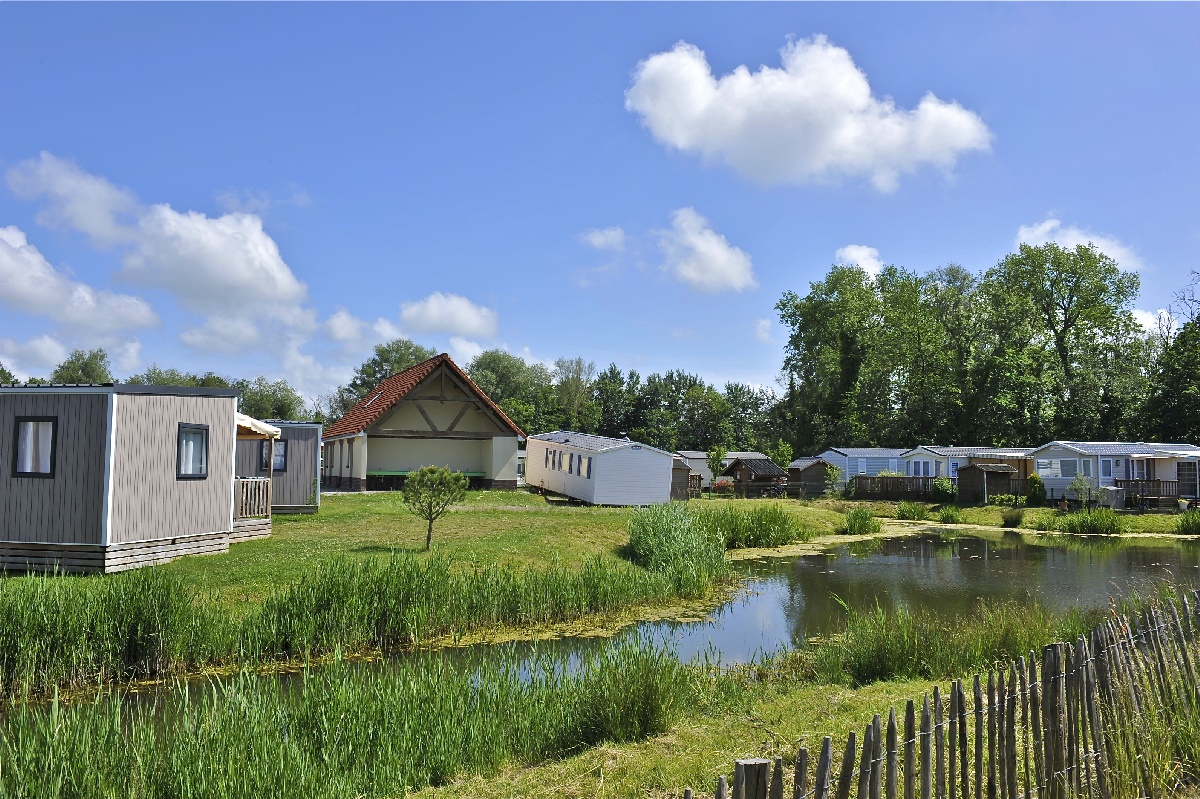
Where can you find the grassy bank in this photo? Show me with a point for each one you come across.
(629, 720)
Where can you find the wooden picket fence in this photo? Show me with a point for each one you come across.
(1042, 728)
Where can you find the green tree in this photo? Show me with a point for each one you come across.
(6, 376)
(703, 419)
(751, 415)
(614, 402)
(781, 454)
(715, 461)
(90, 366)
(388, 359)
(524, 391)
(266, 399)
(430, 491)
(157, 376)
(1173, 407)
(573, 379)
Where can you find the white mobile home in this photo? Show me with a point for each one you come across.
(597, 469)
(1171, 467)
(931, 461)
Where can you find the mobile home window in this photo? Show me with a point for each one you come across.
(571, 463)
(277, 452)
(193, 452)
(1085, 466)
(1068, 467)
(1106, 468)
(547, 459)
(589, 469)
(34, 446)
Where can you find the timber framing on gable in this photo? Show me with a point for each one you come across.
(468, 398)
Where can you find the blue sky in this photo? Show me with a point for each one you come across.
(274, 188)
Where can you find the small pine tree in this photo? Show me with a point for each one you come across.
(430, 491)
(1035, 491)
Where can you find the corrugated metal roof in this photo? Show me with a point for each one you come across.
(804, 463)
(591, 442)
(868, 452)
(759, 467)
(974, 452)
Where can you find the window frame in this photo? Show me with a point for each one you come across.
(179, 475)
(269, 444)
(53, 447)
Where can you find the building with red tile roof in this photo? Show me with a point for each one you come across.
(430, 414)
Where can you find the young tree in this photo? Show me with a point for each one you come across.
(6, 376)
(430, 491)
(781, 454)
(91, 366)
(715, 459)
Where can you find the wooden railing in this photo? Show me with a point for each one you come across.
(251, 497)
(866, 487)
(1150, 488)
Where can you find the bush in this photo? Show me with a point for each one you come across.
(950, 515)
(1035, 491)
(1188, 523)
(1012, 517)
(944, 490)
(1101, 521)
(1007, 500)
(761, 526)
(911, 511)
(722, 487)
(859, 521)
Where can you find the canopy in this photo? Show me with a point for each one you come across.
(249, 427)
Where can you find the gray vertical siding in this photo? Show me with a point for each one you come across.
(148, 502)
(67, 509)
(293, 486)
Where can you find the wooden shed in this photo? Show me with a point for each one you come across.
(599, 470)
(808, 478)
(292, 461)
(681, 479)
(978, 481)
(755, 477)
(112, 477)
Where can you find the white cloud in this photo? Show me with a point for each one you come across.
(860, 255)
(762, 330)
(703, 258)
(463, 350)
(35, 356)
(127, 356)
(449, 313)
(1070, 237)
(227, 334)
(813, 120)
(344, 326)
(609, 238)
(1154, 321)
(29, 284)
(221, 266)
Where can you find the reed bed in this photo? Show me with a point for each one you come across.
(1098, 521)
(912, 511)
(760, 526)
(1188, 523)
(343, 731)
(859, 521)
(68, 631)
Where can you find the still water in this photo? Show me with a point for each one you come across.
(787, 600)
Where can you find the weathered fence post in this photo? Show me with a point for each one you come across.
(777, 779)
(800, 783)
(910, 751)
(824, 764)
(953, 736)
(939, 746)
(756, 778)
(979, 739)
(847, 775)
(892, 756)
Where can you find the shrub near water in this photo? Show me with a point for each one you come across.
(761, 526)
(911, 511)
(1100, 521)
(1188, 523)
(859, 521)
(345, 732)
(950, 515)
(1012, 517)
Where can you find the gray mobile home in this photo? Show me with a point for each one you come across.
(112, 477)
(293, 462)
(599, 470)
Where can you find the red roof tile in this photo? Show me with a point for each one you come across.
(383, 397)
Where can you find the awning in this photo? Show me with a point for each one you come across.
(249, 427)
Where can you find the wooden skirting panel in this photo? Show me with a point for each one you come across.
(279, 509)
(88, 558)
(246, 529)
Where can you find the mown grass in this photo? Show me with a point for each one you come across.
(345, 731)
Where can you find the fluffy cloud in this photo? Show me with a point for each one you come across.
(762, 330)
(860, 255)
(29, 284)
(813, 120)
(609, 238)
(703, 258)
(1051, 229)
(449, 313)
(35, 356)
(222, 266)
(463, 350)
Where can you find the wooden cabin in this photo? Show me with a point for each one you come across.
(292, 461)
(755, 477)
(431, 414)
(103, 478)
(808, 478)
(979, 481)
(600, 470)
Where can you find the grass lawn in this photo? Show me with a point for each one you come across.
(516, 528)
(768, 720)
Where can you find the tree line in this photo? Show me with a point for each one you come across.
(1042, 346)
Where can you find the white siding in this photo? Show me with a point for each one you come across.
(621, 476)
